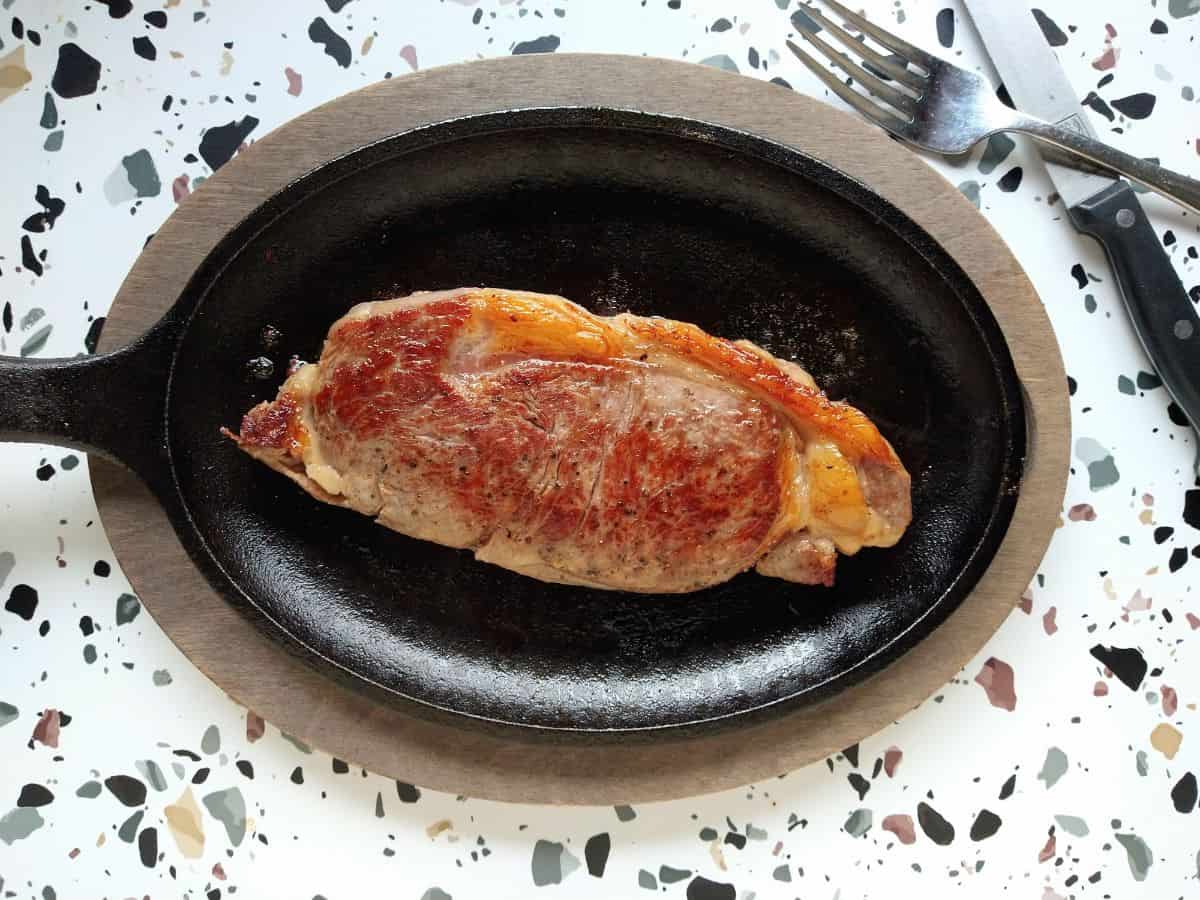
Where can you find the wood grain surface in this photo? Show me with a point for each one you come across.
(286, 692)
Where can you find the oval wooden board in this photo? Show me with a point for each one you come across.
(284, 690)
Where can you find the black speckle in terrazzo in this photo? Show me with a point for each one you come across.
(156, 17)
(89, 653)
(945, 27)
(733, 839)
(595, 853)
(985, 825)
(77, 72)
(92, 338)
(1177, 417)
(29, 258)
(7, 317)
(1158, 26)
(101, 569)
(335, 45)
(1183, 795)
(546, 44)
(720, 25)
(1191, 508)
(1136, 106)
(1179, 558)
(1053, 34)
(129, 790)
(1127, 663)
(1094, 102)
(1080, 276)
(52, 208)
(45, 472)
(22, 601)
(340, 767)
(144, 47)
(118, 9)
(407, 793)
(859, 783)
(625, 813)
(1011, 180)
(218, 144)
(297, 776)
(1163, 533)
(18, 28)
(246, 768)
(700, 888)
(336, 6)
(128, 608)
(33, 795)
(148, 847)
(851, 754)
(935, 826)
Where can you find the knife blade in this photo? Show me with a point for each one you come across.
(1104, 208)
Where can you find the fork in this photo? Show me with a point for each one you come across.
(947, 109)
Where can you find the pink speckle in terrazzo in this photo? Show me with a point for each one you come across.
(1082, 512)
(255, 727)
(295, 81)
(891, 760)
(179, 188)
(1100, 689)
(996, 678)
(1048, 622)
(1048, 850)
(901, 826)
(46, 729)
(1138, 602)
(1170, 700)
(1026, 602)
(408, 53)
(1193, 620)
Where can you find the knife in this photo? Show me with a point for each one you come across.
(1105, 208)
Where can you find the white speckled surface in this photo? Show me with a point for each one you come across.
(1103, 802)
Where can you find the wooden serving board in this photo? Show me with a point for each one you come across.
(285, 691)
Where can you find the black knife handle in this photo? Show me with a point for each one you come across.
(1163, 315)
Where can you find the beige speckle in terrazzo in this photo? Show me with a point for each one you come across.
(186, 825)
(1166, 739)
(436, 828)
(13, 74)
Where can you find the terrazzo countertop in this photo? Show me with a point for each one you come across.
(1060, 763)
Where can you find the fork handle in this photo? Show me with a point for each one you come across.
(1172, 185)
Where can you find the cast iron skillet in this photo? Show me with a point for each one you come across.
(616, 210)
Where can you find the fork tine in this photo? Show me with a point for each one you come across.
(873, 111)
(889, 40)
(874, 57)
(885, 92)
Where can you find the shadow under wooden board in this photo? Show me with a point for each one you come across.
(496, 763)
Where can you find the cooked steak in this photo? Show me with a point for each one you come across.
(638, 454)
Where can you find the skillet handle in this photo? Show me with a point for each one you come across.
(113, 404)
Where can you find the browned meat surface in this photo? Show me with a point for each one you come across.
(631, 453)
